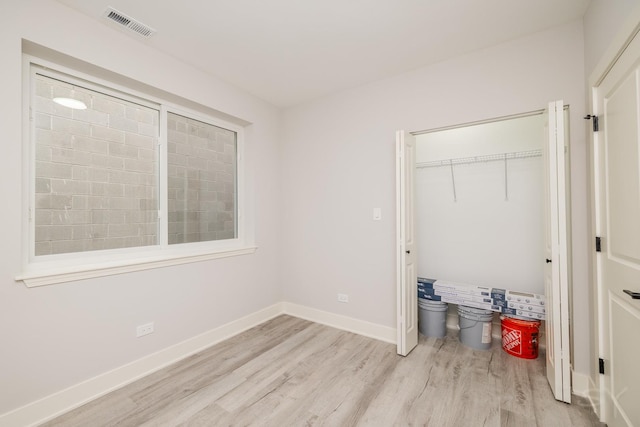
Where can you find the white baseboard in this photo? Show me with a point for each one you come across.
(583, 386)
(65, 400)
(580, 384)
(360, 327)
(594, 398)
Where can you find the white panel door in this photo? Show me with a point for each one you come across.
(407, 292)
(618, 180)
(556, 275)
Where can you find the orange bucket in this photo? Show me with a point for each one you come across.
(520, 337)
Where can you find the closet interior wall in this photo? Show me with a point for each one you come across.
(479, 192)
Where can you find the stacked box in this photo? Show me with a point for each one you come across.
(521, 314)
(532, 308)
(467, 303)
(525, 298)
(498, 294)
(466, 295)
(512, 303)
(461, 288)
(425, 289)
(525, 305)
(428, 295)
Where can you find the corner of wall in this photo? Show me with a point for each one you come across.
(583, 386)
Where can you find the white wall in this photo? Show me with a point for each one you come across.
(55, 336)
(338, 163)
(499, 137)
(602, 22)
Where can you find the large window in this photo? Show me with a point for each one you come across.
(117, 176)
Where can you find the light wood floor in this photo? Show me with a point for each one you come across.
(291, 372)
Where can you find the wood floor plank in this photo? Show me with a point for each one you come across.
(178, 411)
(204, 417)
(263, 370)
(409, 384)
(317, 379)
(470, 388)
(292, 372)
(517, 389)
(513, 419)
(104, 411)
(353, 392)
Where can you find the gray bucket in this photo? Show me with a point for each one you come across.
(475, 327)
(432, 318)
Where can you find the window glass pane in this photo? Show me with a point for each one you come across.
(96, 183)
(201, 181)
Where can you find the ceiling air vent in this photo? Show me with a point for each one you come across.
(127, 22)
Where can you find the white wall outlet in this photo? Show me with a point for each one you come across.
(145, 329)
(343, 298)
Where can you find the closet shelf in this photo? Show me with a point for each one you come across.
(480, 159)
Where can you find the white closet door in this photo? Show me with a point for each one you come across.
(556, 275)
(407, 292)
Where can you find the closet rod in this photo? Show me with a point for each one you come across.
(479, 159)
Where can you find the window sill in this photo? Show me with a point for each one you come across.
(52, 277)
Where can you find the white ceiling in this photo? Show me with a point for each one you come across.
(291, 51)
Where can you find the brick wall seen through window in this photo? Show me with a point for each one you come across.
(201, 181)
(96, 174)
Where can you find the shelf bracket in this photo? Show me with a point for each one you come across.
(506, 180)
(453, 181)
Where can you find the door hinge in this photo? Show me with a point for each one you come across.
(596, 127)
(601, 365)
(598, 244)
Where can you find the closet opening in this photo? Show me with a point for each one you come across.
(486, 204)
(479, 203)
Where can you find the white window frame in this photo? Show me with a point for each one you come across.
(59, 268)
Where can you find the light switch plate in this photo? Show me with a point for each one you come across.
(377, 214)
